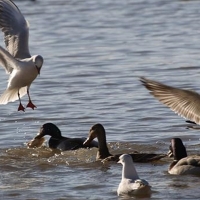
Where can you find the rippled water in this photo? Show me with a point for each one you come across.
(95, 52)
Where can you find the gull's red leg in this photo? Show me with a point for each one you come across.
(30, 104)
(21, 107)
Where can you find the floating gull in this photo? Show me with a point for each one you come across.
(130, 183)
(17, 61)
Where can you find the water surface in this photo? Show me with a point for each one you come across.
(95, 52)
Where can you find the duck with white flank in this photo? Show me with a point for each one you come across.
(182, 163)
(17, 61)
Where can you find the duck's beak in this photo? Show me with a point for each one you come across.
(38, 136)
(90, 138)
(87, 142)
(36, 142)
(170, 154)
(41, 133)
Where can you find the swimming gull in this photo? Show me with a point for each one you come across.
(130, 183)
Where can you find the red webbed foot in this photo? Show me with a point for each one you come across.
(21, 107)
(31, 105)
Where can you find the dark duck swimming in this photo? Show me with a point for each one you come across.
(98, 131)
(57, 141)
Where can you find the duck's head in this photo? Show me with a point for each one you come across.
(177, 149)
(46, 129)
(96, 131)
(49, 129)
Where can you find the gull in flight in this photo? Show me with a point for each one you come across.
(17, 61)
(185, 103)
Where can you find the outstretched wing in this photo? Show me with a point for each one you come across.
(184, 102)
(15, 28)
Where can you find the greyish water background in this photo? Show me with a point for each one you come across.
(95, 52)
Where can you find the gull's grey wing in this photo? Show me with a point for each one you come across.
(7, 61)
(15, 28)
(184, 102)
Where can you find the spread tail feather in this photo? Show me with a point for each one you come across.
(11, 95)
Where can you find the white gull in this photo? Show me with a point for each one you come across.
(130, 183)
(17, 61)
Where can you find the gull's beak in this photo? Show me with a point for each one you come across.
(38, 69)
(119, 161)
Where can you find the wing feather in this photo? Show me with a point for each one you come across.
(186, 103)
(15, 28)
